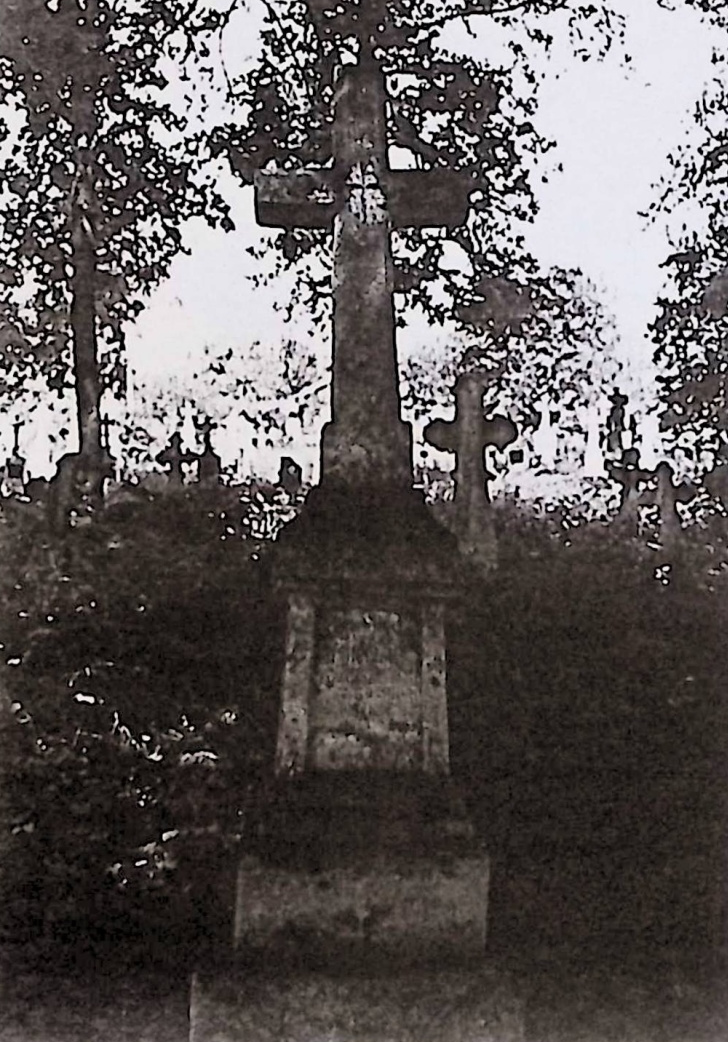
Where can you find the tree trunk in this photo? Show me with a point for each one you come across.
(83, 327)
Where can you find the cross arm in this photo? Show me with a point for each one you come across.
(442, 435)
(499, 431)
(427, 198)
(309, 199)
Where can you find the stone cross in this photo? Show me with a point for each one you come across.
(468, 436)
(630, 475)
(665, 496)
(362, 200)
(174, 456)
(209, 463)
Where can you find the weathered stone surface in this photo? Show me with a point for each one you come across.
(469, 435)
(367, 709)
(409, 910)
(363, 686)
(466, 1006)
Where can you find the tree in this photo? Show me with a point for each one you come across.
(690, 332)
(97, 176)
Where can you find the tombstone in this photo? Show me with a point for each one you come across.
(469, 435)
(209, 464)
(77, 487)
(631, 476)
(175, 457)
(616, 425)
(37, 490)
(290, 476)
(14, 472)
(716, 482)
(363, 879)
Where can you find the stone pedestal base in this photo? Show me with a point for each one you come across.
(418, 1006)
(399, 911)
(358, 867)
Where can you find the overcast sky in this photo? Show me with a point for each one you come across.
(614, 123)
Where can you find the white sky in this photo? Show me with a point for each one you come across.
(614, 124)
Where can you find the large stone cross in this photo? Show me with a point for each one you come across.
(362, 199)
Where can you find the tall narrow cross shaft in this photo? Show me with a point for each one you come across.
(363, 200)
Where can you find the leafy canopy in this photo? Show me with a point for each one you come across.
(89, 129)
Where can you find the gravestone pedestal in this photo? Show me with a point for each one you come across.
(361, 907)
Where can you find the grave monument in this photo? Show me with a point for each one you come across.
(360, 904)
(469, 435)
(14, 476)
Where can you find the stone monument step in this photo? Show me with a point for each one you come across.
(432, 1005)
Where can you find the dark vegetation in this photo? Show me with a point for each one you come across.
(589, 726)
(587, 717)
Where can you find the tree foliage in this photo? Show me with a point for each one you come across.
(142, 703)
(96, 157)
(690, 332)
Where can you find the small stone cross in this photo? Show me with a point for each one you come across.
(15, 467)
(209, 463)
(290, 476)
(630, 475)
(107, 463)
(665, 496)
(616, 425)
(468, 436)
(174, 456)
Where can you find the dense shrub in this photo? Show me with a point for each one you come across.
(142, 653)
(589, 721)
(586, 700)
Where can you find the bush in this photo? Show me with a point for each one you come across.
(587, 717)
(589, 721)
(142, 651)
